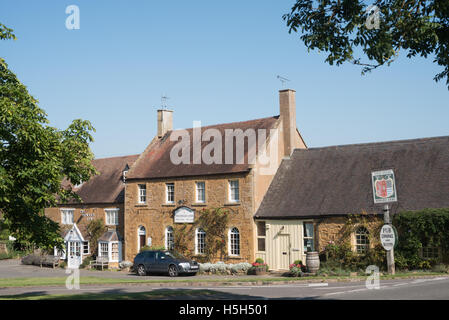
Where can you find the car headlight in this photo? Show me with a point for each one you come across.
(184, 265)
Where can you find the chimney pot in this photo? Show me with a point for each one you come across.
(287, 106)
(164, 122)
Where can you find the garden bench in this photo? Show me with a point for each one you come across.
(49, 260)
(99, 262)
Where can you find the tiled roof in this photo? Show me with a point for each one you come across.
(107, 186)
(337, 180)
(155, 161)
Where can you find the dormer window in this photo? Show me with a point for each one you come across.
(125, 171)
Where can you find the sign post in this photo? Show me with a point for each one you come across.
(384, 191)
(388, 240)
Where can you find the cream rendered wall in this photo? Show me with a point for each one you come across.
(281, 236)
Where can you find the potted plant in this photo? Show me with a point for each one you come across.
(259, 267)
(297, 269)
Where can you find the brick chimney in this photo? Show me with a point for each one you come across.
(164, 122)
(287, 106)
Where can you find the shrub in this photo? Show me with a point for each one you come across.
(223, 268)
(332, 268)
(86, 262)
(417, 229)
(63, 264)
(125, 264)
(441, 268)
(32, 259)
(146, 248)
(297, 269)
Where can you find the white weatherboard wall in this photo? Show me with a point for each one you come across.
(283, 236)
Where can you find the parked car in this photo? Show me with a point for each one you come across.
(160, 261)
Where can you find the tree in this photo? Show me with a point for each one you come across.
(95, 230)
(34, 160)
(339, 27)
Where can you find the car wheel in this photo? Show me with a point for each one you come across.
(141, 270)
(172, 271)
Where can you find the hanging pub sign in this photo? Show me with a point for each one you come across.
(184, 215)
(384, 186)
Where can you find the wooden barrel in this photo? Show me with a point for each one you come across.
(312, 261)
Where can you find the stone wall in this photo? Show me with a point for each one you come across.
(156, 215)
(333, 229)
(3, 247)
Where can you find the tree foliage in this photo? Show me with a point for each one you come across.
(34, 160)
(338, 27)
(95, 230)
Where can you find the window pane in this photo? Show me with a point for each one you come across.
(114, 251)
(235, 241)
(234, 190)
(308, 230)
(85, 247)
(261, 244)
(201, 241)
(200, 192)
(142, 193)
(261, 231)
(170, 192)
(308, 245)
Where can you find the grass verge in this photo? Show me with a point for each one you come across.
(60, 281)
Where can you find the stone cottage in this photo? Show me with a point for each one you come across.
(182, 172)
(313, 192)
(102, 198)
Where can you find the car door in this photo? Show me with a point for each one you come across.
(149, 261)
(161, 262)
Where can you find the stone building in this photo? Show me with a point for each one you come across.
(315, 191)
(102, 198)
(168, 185)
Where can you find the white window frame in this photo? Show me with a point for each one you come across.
(259, 237)
(142, 193)
(100, 249)
(231, 245)
(366, 245)
(167, 192)
(118, 251)
(169, 230)
(199, 231)
(114, 221)
(197, 193)
(308, 238)
(230, 188)
(64, 219)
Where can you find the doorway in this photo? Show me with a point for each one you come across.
(74, 254)
(141, 237)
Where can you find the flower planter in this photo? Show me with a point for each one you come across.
(260, 271)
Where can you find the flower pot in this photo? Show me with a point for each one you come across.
(312, 261)
(260, 271)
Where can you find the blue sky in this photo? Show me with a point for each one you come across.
(217, 61)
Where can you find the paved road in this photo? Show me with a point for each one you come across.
(429, 288)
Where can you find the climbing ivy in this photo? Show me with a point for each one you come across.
(418, 229)
(214, 222)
